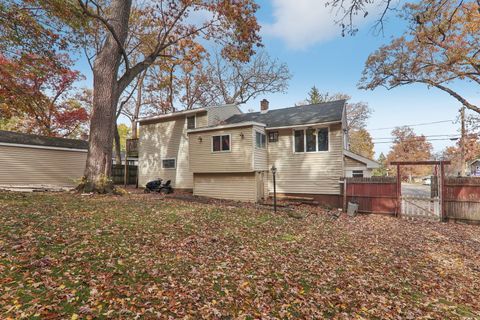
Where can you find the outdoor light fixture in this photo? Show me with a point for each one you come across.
(199, 139)
(242, 135)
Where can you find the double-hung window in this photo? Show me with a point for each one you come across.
(191, 122)
(221, 143)
(311, 140)
(260, 140)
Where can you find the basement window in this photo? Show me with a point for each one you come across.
(169, 163)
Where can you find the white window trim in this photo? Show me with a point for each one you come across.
(268, 136)
(221, 135)
(305, 139)
(194, 121)
(255, 139)
(174, 167)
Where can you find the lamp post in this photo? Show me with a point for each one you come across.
(274, 171)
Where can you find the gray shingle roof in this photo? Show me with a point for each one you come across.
(301, 115)
(31, 139)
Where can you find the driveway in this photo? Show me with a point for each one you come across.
(417, 190)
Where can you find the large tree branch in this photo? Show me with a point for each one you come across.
(109, 27)
(453, 93)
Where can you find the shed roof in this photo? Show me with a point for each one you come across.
(295, 116)
(35, 140)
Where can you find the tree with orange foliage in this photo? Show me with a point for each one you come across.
(407, 146)
(453, 153)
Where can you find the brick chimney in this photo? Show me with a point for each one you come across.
(264, 106)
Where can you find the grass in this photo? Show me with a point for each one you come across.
(70, 256)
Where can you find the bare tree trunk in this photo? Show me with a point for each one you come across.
(118, 147)
(105, 99)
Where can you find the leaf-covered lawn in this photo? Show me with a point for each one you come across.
(67, 256)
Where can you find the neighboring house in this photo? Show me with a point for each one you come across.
(230, 156)
(31, 160)
(474, 168)
(358, 166)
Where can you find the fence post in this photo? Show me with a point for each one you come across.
(399, 191)
(442, 193)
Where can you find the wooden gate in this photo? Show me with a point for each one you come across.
(373, 195)
(421, 207)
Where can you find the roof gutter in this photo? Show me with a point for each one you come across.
(18, 145)
(227, 126)
(305, 125)
(171, 115)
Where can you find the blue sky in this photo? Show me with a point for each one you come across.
(302, 34)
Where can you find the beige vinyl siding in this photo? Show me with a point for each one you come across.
(166, 140)
(260, 155)
(201, 120)
(349, 162)
(35, 166)
(232, 186)
(218, 114)
(238, 159)
(309, 172)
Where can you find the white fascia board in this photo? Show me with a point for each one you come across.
(371, 164)
(40, 147)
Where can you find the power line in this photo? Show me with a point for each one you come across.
(422, 136)
(414, 125)
(444, 139)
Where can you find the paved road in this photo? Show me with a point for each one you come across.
(415, 190)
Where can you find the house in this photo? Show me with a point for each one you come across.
(221, 152)
(31, 160)
(474, 168)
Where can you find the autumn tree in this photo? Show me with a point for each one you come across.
(361, 143)
(440, 50)
(35, 91)
(454, 153)
(231, 23)
(408, 146)
(233, 81)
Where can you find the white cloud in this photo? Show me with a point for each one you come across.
(303, 23)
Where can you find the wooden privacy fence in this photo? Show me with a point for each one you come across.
(462, 198)
(118, 174)
(373, 195)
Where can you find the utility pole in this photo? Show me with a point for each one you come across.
(462, 142)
